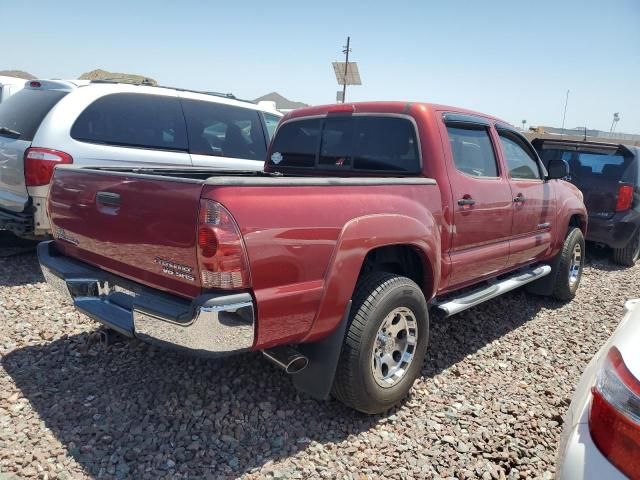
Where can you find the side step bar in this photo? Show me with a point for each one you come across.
(494, 289)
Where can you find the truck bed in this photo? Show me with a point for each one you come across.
(131, 222)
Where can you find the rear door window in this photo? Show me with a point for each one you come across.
(133, 120)
(359, 143)
(224, 130)
(472, 151)
(24, 111)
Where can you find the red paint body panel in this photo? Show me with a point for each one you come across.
(304, 261)
(306, 244)
(157, 218)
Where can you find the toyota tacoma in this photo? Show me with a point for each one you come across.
(366, 216)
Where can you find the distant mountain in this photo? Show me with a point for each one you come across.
(17, 74)
(281, 102)
(100, 74)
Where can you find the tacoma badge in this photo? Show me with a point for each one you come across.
(175, 269)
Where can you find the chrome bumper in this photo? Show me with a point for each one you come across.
(214, 325)
(219, 329)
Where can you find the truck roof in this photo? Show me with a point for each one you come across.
(397, 107)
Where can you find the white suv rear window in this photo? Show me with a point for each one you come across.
(24, 111)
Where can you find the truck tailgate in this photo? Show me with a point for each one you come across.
(141, 228)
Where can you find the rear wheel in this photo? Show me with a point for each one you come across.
(630, 253)
(385, 344)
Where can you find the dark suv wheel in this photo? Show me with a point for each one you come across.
(385, 344)
(630, 253)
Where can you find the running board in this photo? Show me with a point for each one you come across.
(494, 289)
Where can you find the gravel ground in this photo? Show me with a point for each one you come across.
(488, 405)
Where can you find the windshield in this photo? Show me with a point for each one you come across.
(24, 111)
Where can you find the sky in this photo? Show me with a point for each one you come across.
(512, 59)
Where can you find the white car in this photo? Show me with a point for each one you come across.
(106, 124)
(601, 436)
(9, 86)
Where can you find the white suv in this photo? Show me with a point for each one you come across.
(9, 86)
(113, 124)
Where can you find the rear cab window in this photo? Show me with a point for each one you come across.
(353, 143)
(24, 111)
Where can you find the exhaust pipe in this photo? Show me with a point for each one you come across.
(287, 358)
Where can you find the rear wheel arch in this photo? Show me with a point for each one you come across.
(401, 259)
(360, 236)
(579, 221)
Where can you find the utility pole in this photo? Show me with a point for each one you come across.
(564, 115)
(523, 123)
(346, 69)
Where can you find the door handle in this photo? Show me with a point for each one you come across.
(520, 199)
(466, 201)
(108, 198)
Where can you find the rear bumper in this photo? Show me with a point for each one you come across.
(615, 231)
(19, 223)
(211, 325)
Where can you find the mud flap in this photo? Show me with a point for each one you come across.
(317, 379)
(545, 285)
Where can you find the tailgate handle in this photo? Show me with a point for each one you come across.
(108, 198)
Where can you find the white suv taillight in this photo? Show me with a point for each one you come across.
(614, 419)
(39, 164)
(221, 252)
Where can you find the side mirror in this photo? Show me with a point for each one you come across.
(557, 169)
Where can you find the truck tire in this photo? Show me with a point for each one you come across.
(567, 272)
(385, 343)
(630, 253)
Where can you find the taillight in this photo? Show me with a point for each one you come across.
(625, 198)
(39, 164)
(221, 252)
(614, 419)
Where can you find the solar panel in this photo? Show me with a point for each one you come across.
(353, 76)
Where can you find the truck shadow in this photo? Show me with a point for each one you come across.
(130, 408)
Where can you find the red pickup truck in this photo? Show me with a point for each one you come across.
(366, 216)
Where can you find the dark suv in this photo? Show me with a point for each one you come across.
(608, 176)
